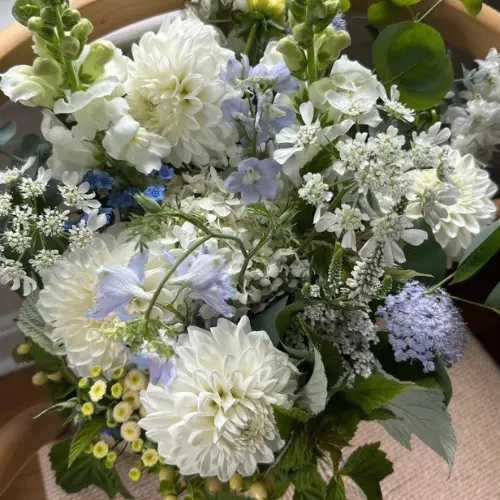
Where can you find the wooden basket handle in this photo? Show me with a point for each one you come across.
(459, 29)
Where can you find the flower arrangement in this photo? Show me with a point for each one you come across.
(233, 242)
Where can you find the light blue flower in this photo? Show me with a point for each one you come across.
(161, 371)
(422, 325)
(255, 179)
(339, 22)
(235, 70)
(278, 77)
(155, 192)
(272, 118)
(166, 172)
(117, 286)
(98, 179)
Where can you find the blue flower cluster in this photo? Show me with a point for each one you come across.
(123, 199)
(422, 325)
(98, 179)
(155, 192)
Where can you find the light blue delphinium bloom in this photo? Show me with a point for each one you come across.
(255, 179)
(161, 371)
(421, 326)
(278, 77)
(155, 192)
(117, 286)
(271, 117)
(235, 71)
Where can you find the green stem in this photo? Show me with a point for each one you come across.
(167, 276)
(440, 284)
(241, 275)
(420, 19)
(73, 80)
(484, 306)
(11, 156)
(312, 74)
(69, 376)
(174, 311)
(251, 39)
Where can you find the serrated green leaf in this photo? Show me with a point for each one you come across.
(314, 394)
(375, 391)
(422, 412)
(473, 6)
(336, 489)
(298, 451)
(367, 466)
(405, 54)
(84, 436)
(86, 470)
(45, 361)
(379, 414)
(482, 248)
(443, 379)
(287, 420)
(266, 320)
(31, 323)
(493, 299)
(7, 132)
(309, 485)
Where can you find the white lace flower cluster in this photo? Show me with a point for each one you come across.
(475, 120)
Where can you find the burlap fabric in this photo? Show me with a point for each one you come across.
(419, 474)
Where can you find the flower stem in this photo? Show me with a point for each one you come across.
(251, 39)
(438, 285)
(419, 19)
(241, 275)
(484, 306)
(312, 74)
(11, 156)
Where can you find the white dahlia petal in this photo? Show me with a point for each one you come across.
(216, 417)
(175, 91)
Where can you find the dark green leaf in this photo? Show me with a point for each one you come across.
(380, 414)
(323, 159)
(287, 420)
(321, 259)
(30, 146)
(84, 436)
(427, 259)
(367, 466)
(314, 395)
(336, 489)
(7, 132)
(266, 320)
(375, 391)
(298, 452)
(444, 379)
(493, 299)
(381, 12)
(405, 54)
(482, 248)
(86, 470)
(309, 485)
(473, 6)
(403, 3)
(45, 361)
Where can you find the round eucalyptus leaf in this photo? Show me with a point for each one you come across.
(473, 6)
(7, 132)
(413, 57)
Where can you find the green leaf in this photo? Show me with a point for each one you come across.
(321, 161)
(31, 323)
(286, 420)
(426, 259)
(330, 356)
(336, 489)
(403, 3)
(7, 132)
(422, 412)
(400, 275)
(84, 436)
(314, 394)
(493, 299)
(298, 451)
(375, 391)
(379, 414)
(482, 248)
(86, 470)
(473, 6)
(367, 466)
(381, 12)
(266, 319)
(44, 360)
(443, 379)
(309, 485)
(405, 54)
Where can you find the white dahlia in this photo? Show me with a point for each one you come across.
(469, 215)
(216, 417)
(69, 293)
(174, 88)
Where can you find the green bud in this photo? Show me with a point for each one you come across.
(332, 7)
(381, 12)
(298, 11)
(82, 30)
(36, 25)
(54, 3)
(70, 17)
(23, 10)
(93, 66)
(49, 16)
(149, 205)
(70, 47)
(317, 12)
(330, 44)
(294, 56)
(49, 70)
(303, 35)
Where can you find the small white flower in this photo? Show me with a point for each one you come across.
(356, 107)
(51, 222)
(128, 141)
(393, 107)
(31, 188)
(82, 235)
(345, 220)
(387, 231)
(5, 204)
(12, 272)
(216, 417)
(23, 216)
(315, 191)
(11, 175)
(304, 141)
(45, 259)
(76, 194)
(426, 150)
(19, 239)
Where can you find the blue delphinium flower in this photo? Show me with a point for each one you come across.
(421, 326)
(155, 192)
(117, 286)
(206, 275)
(161, 371)
(98, 179)
(235, 70)
(255, 179)
(166, 172)
(278, 76)
(123, 199)
(272, 118)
